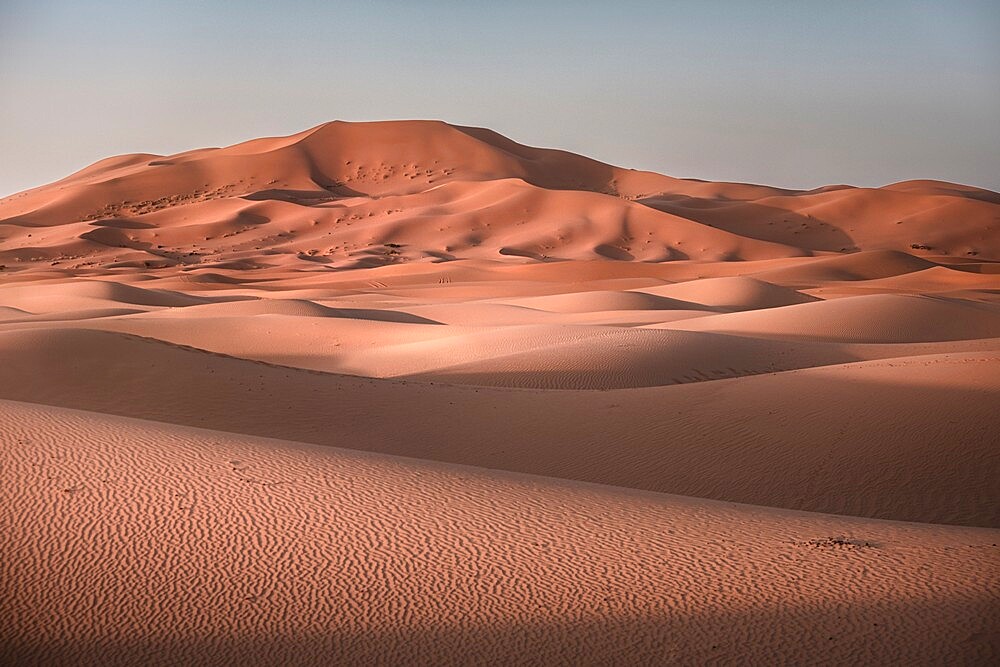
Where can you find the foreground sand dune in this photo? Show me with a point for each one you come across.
(142, 543)
(801, 439)
(365, 292)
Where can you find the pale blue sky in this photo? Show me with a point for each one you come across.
(795, 94)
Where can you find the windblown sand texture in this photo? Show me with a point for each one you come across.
(412, 393)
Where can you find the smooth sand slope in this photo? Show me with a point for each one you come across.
(365, 291)
(134, 542)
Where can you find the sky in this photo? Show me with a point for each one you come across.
(793, 94)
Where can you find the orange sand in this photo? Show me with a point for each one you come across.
(414, 289)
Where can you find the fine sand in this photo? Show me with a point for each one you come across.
(129, 542)
(411, 393)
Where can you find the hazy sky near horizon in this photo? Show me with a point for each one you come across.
(795, 94)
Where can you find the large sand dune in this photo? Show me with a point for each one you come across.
(347, 195)
(442, 293)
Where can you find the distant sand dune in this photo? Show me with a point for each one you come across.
(872, 318)
(731, 293)
(354, 195)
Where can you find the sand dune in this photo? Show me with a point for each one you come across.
(361, 292)
(731, 293)
(873, 318)
(146, 543)
(583, 302)
(798, 440)
(349, 195)
(67, 297)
